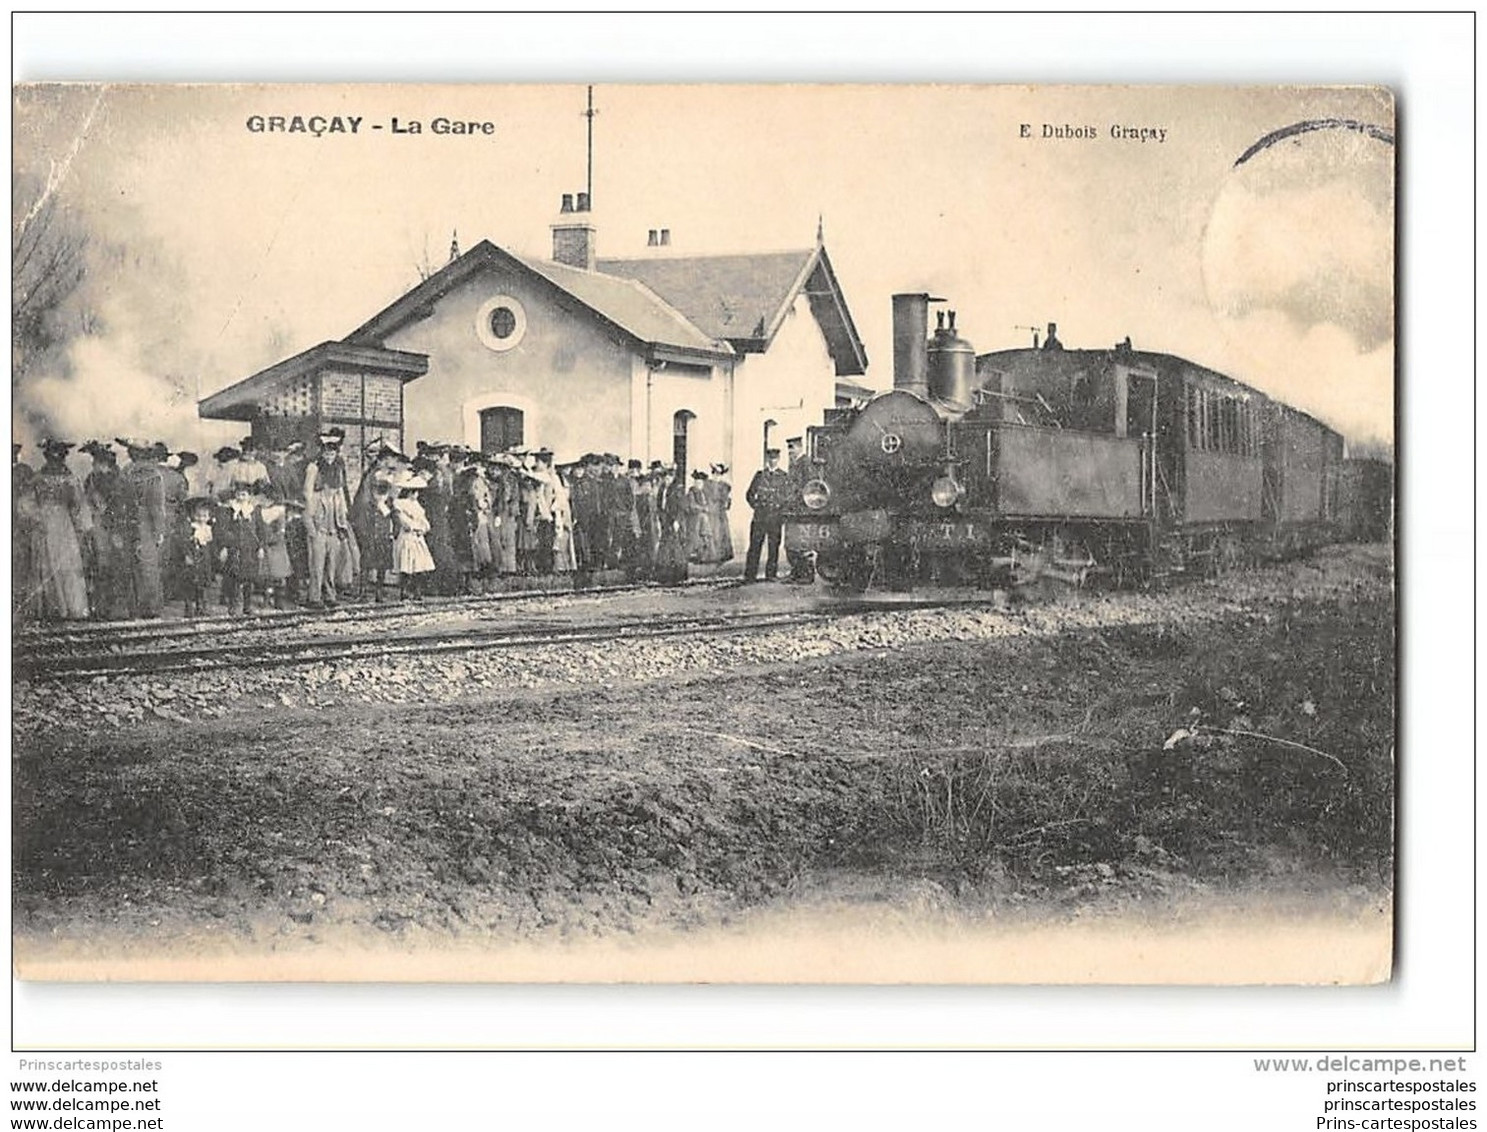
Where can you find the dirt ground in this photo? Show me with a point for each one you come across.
(1229, 749)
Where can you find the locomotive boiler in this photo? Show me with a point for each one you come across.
(1047, 462)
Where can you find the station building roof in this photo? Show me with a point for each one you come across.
(686, 308)
(627, 305)
(744, 299)
(240, 401)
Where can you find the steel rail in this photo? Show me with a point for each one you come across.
(75, 666)
(69, 634)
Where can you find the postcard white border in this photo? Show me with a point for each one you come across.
(1427, 59)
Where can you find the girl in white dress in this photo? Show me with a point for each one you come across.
(410, 550)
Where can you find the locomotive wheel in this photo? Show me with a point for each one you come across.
(900, 565)
(1226, 556)
(849, 572)
(959, 570)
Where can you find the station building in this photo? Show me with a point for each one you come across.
(691, 360)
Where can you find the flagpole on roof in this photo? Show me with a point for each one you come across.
(589, 114)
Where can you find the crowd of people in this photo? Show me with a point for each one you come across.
(280, 526)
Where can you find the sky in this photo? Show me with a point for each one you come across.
(215, 251)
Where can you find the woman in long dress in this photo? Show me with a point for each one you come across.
(506, 539)
(564, 555)
(437, 498)
(57, 557)
(371, 519)
(699, 521)
(482, 526)
(720, 501)
(671, 556)
(106, 551)
(462, 522)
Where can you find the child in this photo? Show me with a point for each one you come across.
(273, 536)
(241, 553)
(196, 555)
(410, 552)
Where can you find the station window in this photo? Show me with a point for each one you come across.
(681, 427)
(501, 427)
(501, 323)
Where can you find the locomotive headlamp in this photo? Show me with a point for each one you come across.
(816, 494)
(947, 490)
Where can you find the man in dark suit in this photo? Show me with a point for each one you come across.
(769, 494)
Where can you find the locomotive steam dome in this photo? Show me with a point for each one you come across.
(952, 364)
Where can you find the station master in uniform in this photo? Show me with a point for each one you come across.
(769, 494)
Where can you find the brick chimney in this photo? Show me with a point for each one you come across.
(573, 241)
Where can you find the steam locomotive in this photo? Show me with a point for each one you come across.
(1047, 462)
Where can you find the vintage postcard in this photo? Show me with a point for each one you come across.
(869, 534)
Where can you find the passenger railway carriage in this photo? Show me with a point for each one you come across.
(1040, 462)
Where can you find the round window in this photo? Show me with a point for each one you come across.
(501, 322)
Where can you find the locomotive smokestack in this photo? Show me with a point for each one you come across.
(910, 343)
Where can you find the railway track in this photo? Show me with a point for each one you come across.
(80, 634)
(205, 647)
